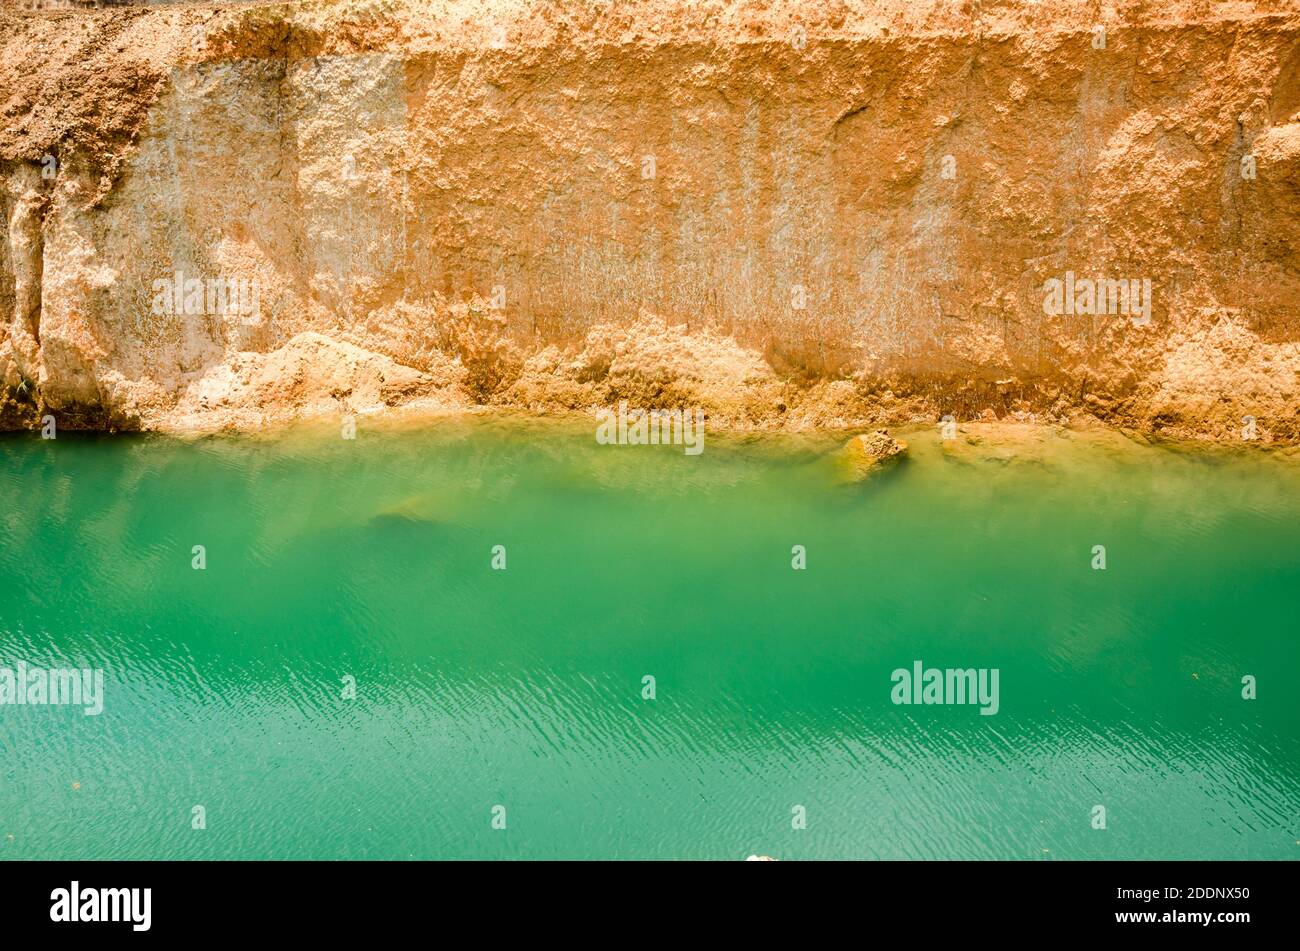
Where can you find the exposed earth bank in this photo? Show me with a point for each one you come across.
(794, 216)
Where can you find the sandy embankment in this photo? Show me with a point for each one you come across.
(795, 216)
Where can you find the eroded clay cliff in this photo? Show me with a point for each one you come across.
(790, 214)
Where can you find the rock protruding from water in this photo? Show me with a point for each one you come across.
(866, 453)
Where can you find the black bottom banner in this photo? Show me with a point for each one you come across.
(332, 901)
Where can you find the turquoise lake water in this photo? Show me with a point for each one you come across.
(370, 561)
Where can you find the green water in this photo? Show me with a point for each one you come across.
(522, 688)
